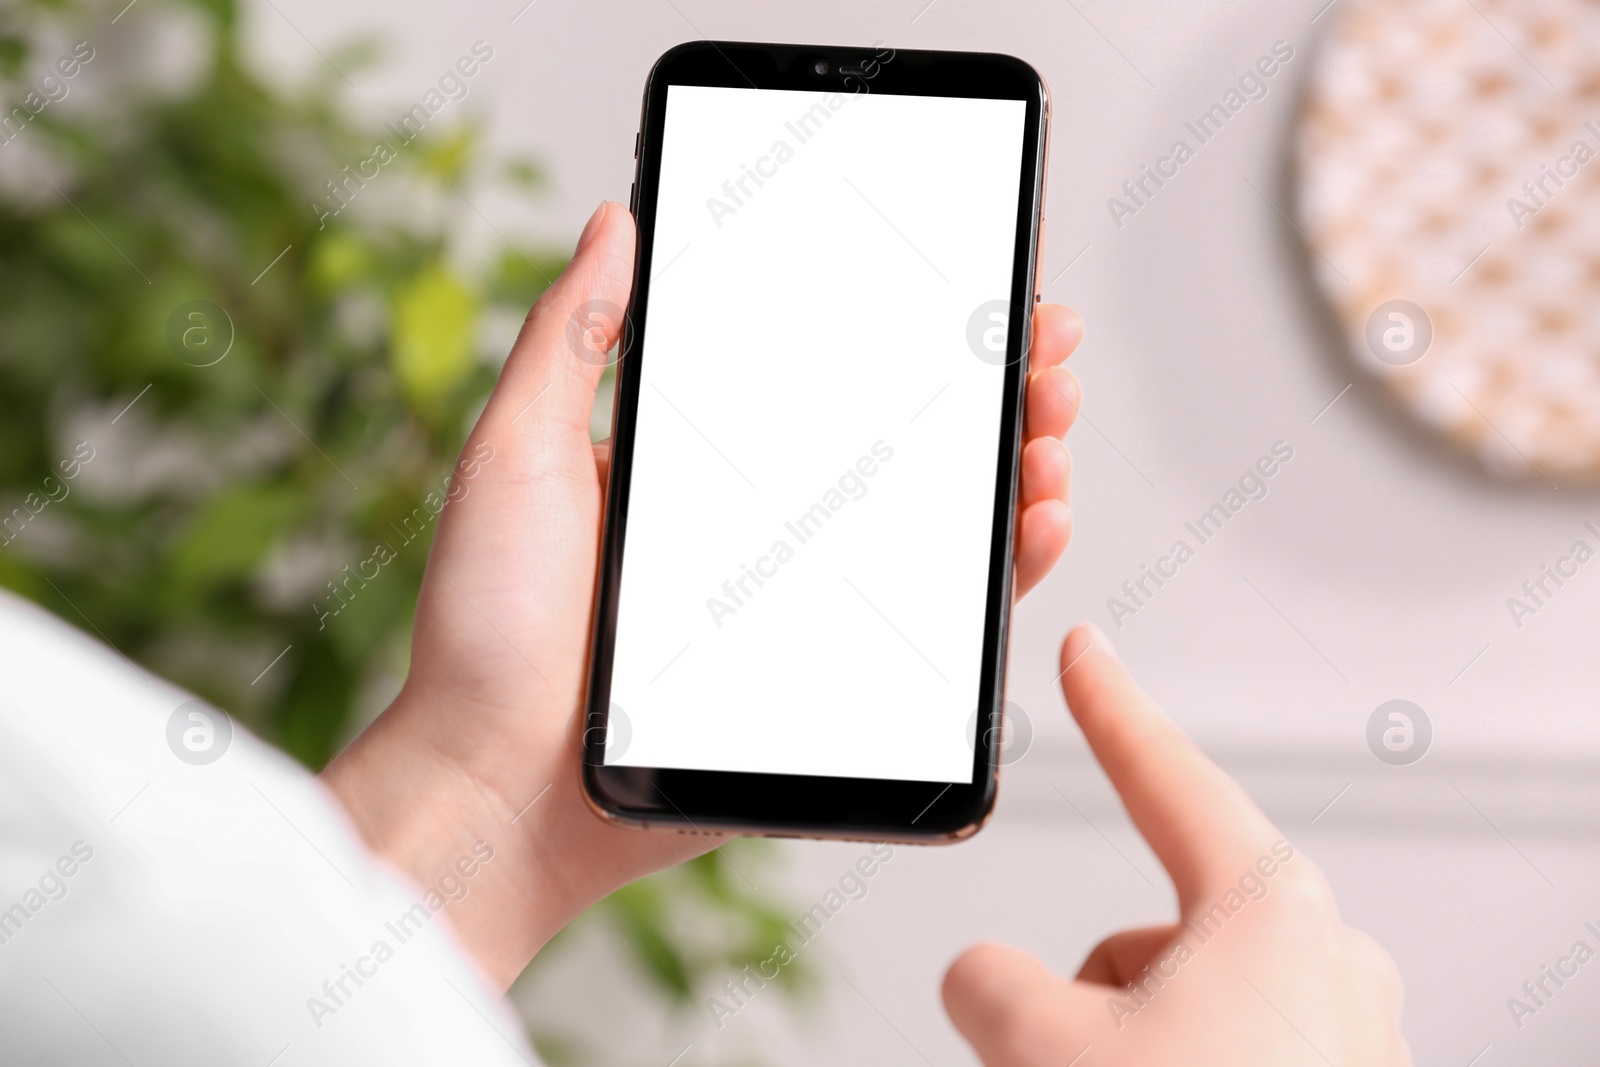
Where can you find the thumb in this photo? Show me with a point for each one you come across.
(1013, 1011)
(547, 386)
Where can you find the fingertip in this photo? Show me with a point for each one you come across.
(588, 302)
(1072, 324)
(613, 241)
(1046, 470)
(1011, 1008)
(1043, 532)
(984, 974)
(1057, 330)
(1101, 640)
(1079, 640)
(570, 334)
(1046, 529)
(590, 228)
(1085, 655)
(1054, 397)
(1071, 390)
(960, 978)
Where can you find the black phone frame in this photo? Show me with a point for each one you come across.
(695, 801)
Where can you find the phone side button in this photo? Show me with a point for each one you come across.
(638, 139)
(1038, 264)
(633, 198)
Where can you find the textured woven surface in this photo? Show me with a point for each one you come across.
(1449, 155)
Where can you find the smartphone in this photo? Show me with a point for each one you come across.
(804, 588)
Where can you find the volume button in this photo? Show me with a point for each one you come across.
(1038, 264)
(633, 198)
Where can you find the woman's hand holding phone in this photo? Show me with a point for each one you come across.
(1257, 971)
(483, 742)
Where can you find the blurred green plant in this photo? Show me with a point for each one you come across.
(250, 447)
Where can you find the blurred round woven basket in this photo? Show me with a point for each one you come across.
(1449, 183)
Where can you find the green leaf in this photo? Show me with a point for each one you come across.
(13, 53)
(363, 336)
(310, 713)
(447, 157)
(518, 280)
(561, 1049)
(525, 173)
(233, 531)
(339, 259)
(435, 318)
(642, 912)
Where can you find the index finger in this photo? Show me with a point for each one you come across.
(1205, 830)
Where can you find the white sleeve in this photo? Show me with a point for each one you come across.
(155, 908)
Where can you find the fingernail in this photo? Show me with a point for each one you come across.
(592, 228)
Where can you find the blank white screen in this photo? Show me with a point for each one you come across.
(801, 333)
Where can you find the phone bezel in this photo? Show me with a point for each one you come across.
(695, 801)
